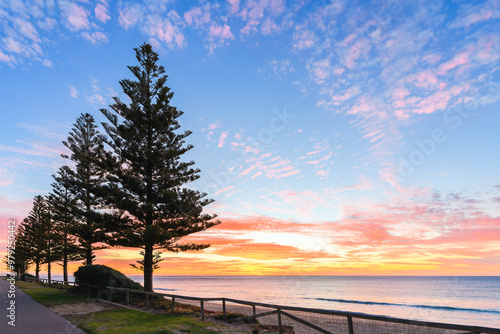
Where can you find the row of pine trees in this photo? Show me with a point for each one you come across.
(124, 187)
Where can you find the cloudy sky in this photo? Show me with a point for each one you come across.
(336, 137)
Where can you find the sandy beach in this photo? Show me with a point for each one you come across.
(334, 324)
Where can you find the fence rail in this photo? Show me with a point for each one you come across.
(280, 310)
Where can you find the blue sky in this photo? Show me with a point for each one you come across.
(374, 119)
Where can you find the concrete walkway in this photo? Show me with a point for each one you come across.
(31, 317)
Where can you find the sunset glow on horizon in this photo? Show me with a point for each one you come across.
(336, 137)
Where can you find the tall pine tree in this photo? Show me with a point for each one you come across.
(62, 201)
(147, 177)
(22, 257)
(35, 233)
(85, 182)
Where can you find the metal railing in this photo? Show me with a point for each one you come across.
(279, 310)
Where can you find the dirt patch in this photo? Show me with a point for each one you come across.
(81, 308)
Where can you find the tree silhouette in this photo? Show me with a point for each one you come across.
(146, 175)
(62, 201)
(36, 233)
(85, 182)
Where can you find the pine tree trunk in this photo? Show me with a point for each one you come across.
(65, 257)
(65, 265)
(49, 260)
(89, 254)
(49, 272)
(37, 269)
(148, 268)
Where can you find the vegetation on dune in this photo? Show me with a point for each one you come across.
(104, 276)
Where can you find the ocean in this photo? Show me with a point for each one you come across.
(460, 300)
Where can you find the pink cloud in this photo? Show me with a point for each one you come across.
(222, 138)
(323, 173)
(198, 16)
(326, 157)
(130, 16)
(4, 58)
(425, 79)
(95, 37)
(304, 39)
(248, 170)
(256, 175)
(354, 52)
(73, 92)
(101, 13)
(319, 70)
(13, 45)
(166, 29)
(469, 15)
(220, 191)
(341, 97)
(76, 16)
(17, 208)
(294, 172)
(26, 29)
(218, 35)
(277, 7)
(252, 14)
(269, 27)
(5, 177)
(460, 59)
(400, 93)
(235, 6)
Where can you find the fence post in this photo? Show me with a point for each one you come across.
(253, 309)
(147, 300)
(349, 323)
(280, 328)
(173, 305)
(127, 297)
(223, 309)
(202, 310)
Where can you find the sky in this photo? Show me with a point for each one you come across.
(336, 137)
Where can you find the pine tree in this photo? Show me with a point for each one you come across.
(22, 257)
(35, 233)
(85, 181)
(147, 178)
(52, 238)
(62, 200)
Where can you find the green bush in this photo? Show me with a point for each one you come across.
(104, 276)
(26, 275)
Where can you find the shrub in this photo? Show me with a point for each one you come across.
(26, 275)
(104, 276)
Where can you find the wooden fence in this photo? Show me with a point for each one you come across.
(279, 310)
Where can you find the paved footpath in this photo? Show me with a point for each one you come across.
(31, 317)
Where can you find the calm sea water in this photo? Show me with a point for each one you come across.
(460, 300)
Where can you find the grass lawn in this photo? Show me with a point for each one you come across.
(130, 322)
(49, 296)
(121, 320)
